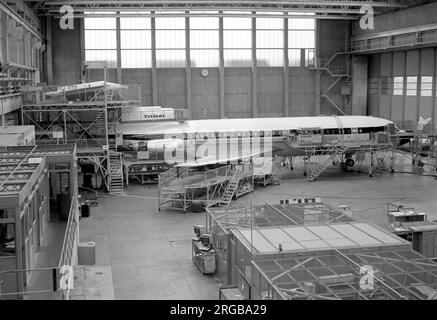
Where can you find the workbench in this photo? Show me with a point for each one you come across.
(203, 257)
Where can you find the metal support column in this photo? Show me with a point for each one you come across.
(379, 86)
(286, 68)
(392, 80)
(19, 251)
(118, 37)
(2, 111)
(3, 38)
(404, 91)
(419, 84)
(317, 71)
(221, 71)
(82, 49)
(154, 72)
(254, 71)
(188, 67)
(434, 88)
(49, 63)
(318, 91)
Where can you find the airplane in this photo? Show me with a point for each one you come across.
(227, 140)
(84, 91)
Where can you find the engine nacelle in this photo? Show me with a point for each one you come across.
(165, 144)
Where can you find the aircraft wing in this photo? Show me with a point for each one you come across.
(232, 157)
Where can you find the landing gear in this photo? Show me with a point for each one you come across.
(350, 162)
(343, 167)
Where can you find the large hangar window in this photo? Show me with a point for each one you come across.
(237, 41)
(398, 86)
(301, 39)
(135, 41)
(170, 41)
(269, 41)
(204, 41)
(101, 38)
(426, 83)
(411, 86)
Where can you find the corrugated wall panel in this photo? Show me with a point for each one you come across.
(396, 108)
(425, 107)
(412, 63)
(427, 60)
(384, 107)
(386, 64)
(410, 112)
(398, 63)
(373, 108)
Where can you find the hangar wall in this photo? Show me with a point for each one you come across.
(66, 53)
(408, 65)
(402, 62)
(304, 84)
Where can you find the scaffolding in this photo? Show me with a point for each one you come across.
(302, 245)
(220, 222)
(396, 274)
(24, 211)
(89, 120)
(34, 176)
(14, 76)
(372, 153)
(183, 188)
(421, 143)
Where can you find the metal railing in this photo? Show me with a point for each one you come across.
(71, 236)
(386, 42)
(186, 177)
(165, 178)
(69, 246)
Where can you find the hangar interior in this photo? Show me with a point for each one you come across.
(98, 98)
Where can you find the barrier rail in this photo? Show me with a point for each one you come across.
(69, 246)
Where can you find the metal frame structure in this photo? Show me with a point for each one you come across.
(267, 247)
(87, 124)
(423, 36)
(326, 9)
(273, 215)
(29, 23)
(24, 198)
(29, 172)
(422, 148)
(144, 171)
(371, 155)
(220, 222)
(396, 274)
(182, 189)
(340, 74)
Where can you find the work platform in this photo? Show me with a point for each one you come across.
(372, 155)
(183, 188)
(86, 115)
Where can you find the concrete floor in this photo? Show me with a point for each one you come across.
(149, 252)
